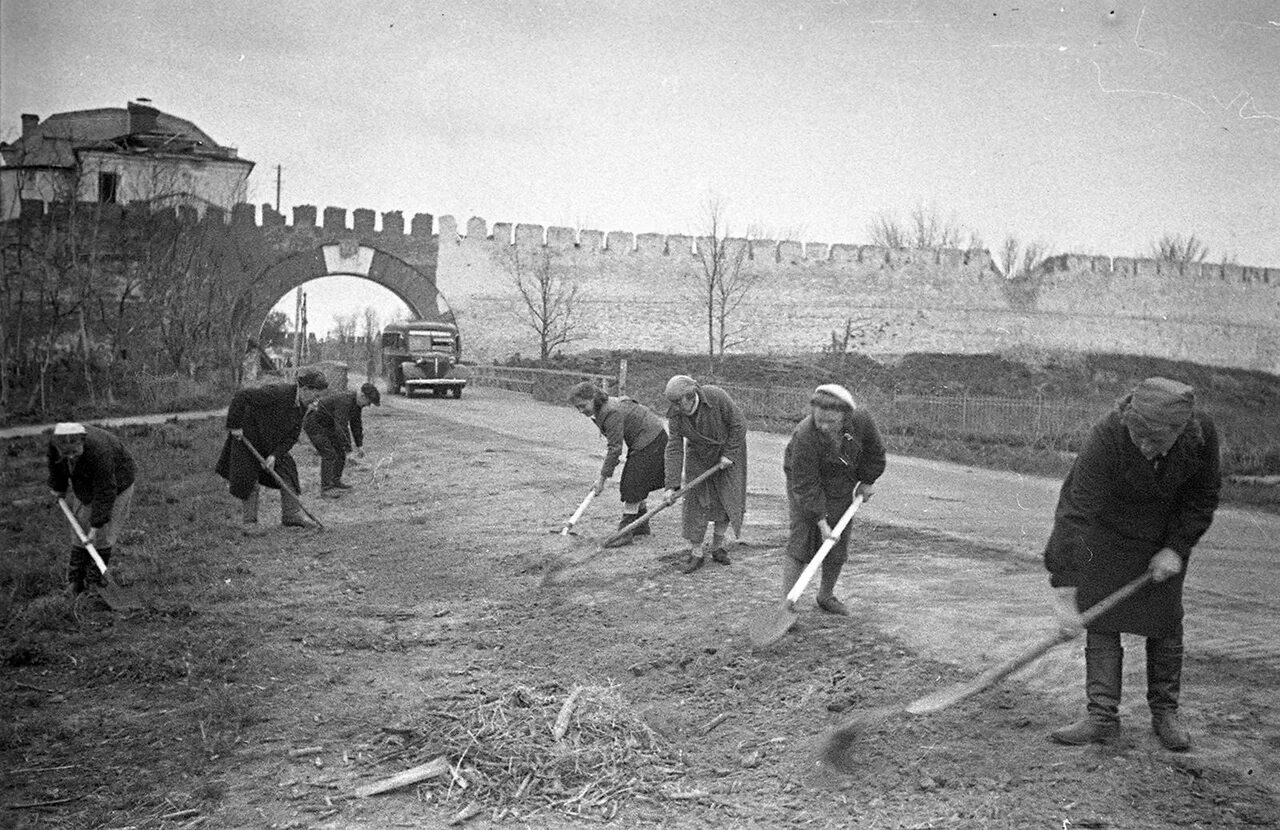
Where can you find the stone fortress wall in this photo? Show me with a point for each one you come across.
(637, 291)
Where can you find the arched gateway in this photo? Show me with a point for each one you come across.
(348, 259)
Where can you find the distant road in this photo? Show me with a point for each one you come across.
(158, 418)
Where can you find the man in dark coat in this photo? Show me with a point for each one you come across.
(270, 418)
(1138, 497)
(334, 425)
(626, 423)
(99, 472)
(834, 454)
(705, 426)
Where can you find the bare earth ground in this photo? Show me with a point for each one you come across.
(273, 675)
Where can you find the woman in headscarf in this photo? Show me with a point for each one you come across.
(705, 426)
(834, 454)
(624, 422)
(1138, 498)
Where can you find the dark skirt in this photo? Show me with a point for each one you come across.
(643, 471)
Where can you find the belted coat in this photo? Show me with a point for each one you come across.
(715, 429)
(1116, 510)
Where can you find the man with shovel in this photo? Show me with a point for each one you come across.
(834, 454)
(95, 466)
(1137, 500)
(624, 422)
(334, 425)
(707, 420)
(270, 419)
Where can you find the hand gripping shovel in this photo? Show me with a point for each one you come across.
(115, 596)
(835, 746)
(553, 571)
(769, 627)
(262, 462)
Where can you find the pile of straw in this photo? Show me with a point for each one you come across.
(582, 752)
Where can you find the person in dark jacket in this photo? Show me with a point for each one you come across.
(335, 426)
(704, 427)
(92, 470)
(834, 454)
(1138, 498)
(270, 418)
(625, 423)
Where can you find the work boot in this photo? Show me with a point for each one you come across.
(341, 485)
(76, 569)
(692, 563)
(833, 606)
(249, 508)
(1164, 684)
(1103, 665)
(719, 555)
(291, 511)
(330, 493)
(642, 530)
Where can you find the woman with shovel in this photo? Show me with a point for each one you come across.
(1137, 499)
(265, 422)
(99, 472)
(624, 422)
(834, 454)
(707, 420)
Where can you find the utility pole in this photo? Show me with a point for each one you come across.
(277, 188)
(297, 329)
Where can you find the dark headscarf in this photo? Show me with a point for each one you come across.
(1158, 405)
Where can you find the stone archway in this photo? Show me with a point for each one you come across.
(414, 288)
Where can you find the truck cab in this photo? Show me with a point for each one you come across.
(422, 356)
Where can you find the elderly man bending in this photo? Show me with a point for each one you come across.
(1138, 498)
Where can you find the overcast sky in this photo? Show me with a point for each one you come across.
(1092, 127)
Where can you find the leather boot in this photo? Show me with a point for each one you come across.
(249, 508)
(1103, 665)
(827, 600)
(1164, 684)
(77, 567)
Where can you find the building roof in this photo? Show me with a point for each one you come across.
(136, 128)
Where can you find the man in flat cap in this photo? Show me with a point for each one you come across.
(834, 454)
(95, 467)
(335, 426)
(1138, 498)
(270, 418)
(625, 423)
(704, 426)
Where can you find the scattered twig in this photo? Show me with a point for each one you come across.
(180, 815)
(42, 769)
(21, 685)
(30, 805)
(305, 750)
(714, 722)
(431, 769)
(566, 712)
(465, 814)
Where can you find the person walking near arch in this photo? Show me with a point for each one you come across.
(705, 426)
(1137, 499)
(626, 423)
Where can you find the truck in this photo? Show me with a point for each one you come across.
(423, 356)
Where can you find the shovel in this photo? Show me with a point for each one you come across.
(577, 514)
(115, 596)
(644, 517)
(262, 462)
(769, 627)
(834, 752)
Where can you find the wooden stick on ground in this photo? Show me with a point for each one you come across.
(566, 712)
(432, 769)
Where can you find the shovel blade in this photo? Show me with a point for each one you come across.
(118, 598)
(770, 626)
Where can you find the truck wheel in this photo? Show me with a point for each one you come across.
(438, 392)
(457, 391)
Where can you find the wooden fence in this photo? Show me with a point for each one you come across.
(551, 385)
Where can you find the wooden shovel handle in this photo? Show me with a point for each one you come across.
(82, 536)
(955, 694)
(262, 462)
(577, 514)
(806, 576)
(724, 464)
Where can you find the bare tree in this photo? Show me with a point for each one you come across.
(372, 342)
(548, 300)
(723, 279)
(1174, 247)
(345, 326)
(927, 228)
(886, 231)
(1019, 261)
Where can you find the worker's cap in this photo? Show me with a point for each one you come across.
(833, 396)
(312, 379)
(371, 394)
(69, 428)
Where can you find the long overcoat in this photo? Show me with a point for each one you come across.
(1116, 510)
(272, 420)
(716, 429)
(333, 415)
(822, 474)
(103, 471)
